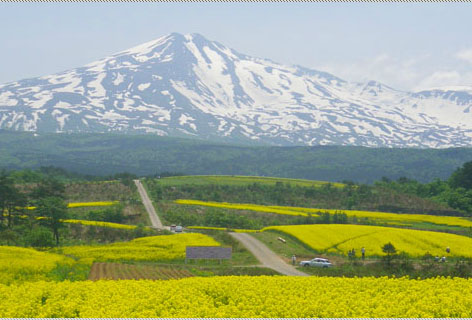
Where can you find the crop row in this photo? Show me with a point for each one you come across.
(100, 224)
(86, 204)
(242, 206)
(120, 271)
(90, 223)
(396, 218)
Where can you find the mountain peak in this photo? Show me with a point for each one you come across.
(187, 85)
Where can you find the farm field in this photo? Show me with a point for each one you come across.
(157, 248)
(150, 271)
(339, 239)
(241, 297)
(242, 180)
(100, 224)
(86, 204)
(243, 206)
(391, 217)
(25, 264)
(109, 264)
(400, 219)
(87, 200)
(120, 271)
(377, 198)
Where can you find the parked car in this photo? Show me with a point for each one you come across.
(316, 262)
(178, 229)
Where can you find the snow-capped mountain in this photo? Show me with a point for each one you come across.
(183, 85)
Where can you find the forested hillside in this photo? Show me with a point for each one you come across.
(105, 154)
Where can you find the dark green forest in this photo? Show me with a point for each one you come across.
(108, 154)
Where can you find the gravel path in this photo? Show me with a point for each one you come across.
(155, 221)
(268, 258)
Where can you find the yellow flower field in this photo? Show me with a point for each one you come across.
(91, 223)
(340, 238)
(392, 217)
(21, 264)
(86, 204)
(241, 297)
(157, 248)
(92, 204)
(243, 206)
(397, 218)
(99, 224)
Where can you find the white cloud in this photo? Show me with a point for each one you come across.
(441, 79)
(392, 71)
(465, 55)
(410, 74)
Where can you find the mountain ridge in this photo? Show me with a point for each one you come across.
(186, 85)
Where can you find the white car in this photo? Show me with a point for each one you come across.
(317, 262)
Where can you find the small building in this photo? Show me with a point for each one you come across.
(207, 252)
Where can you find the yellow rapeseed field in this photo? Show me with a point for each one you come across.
(397, 218)
(91, 223)
(21, 264)
(86, 204)
(157, 248)
(243, 206)
(341, 238)
(241, 297)
(92, 204)
(385, 216)
(99, 224)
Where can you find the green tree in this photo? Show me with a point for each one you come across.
(390, 251)
(54, 210)
(11, 199)
(462, 177)
(39, 237)
(49, 187)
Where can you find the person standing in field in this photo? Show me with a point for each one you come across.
(363, 253)
(294, 259)
(448, 250)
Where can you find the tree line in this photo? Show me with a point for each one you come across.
(455, 192)
(36, 225)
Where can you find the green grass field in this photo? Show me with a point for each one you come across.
(241, 180)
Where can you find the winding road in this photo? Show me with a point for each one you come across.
(262, 253)
(155, 221)
(268, 258)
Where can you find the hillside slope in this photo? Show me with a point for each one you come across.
(102, 154)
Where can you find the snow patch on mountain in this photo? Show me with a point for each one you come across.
(188, 85)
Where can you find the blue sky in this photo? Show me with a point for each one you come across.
(407, 46)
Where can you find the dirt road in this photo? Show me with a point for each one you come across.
(268, 258)
(155, 221)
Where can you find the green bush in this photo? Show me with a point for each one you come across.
(39, 237)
